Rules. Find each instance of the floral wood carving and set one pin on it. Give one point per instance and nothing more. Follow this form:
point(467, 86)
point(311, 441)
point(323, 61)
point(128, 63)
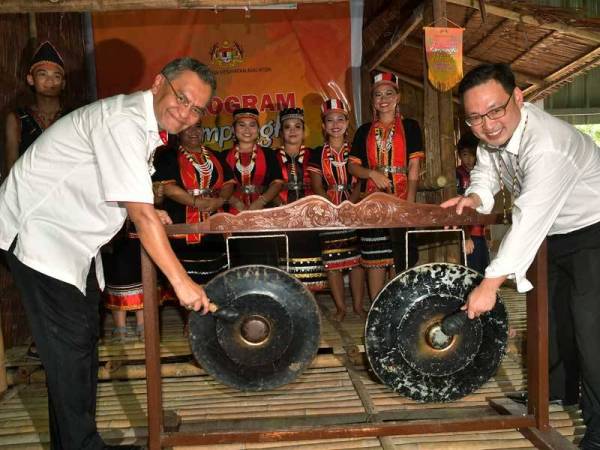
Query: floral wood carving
point(378, 210)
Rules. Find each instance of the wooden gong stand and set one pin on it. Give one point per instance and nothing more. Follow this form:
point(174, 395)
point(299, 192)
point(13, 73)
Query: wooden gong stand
point(377, 211)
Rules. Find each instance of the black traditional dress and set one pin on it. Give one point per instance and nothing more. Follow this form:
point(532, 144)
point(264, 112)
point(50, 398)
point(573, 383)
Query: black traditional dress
point(203, 174)
point(339, 248)
point(254, 172)
point(387, 150)
point(31, 126)
point(305, 261)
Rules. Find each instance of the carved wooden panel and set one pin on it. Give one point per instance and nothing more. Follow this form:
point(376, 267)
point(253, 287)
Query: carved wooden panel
point(378, 210)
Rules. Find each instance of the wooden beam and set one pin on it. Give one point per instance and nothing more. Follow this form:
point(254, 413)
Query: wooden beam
point(471, 16)
point(23, 6)
point(527, 19)
point(566, 73)
point(491, 37)
point(400, 36)
point(382, 26)
point(483, 11)
point(418, 83)
point(522, 78)
point(541, 43)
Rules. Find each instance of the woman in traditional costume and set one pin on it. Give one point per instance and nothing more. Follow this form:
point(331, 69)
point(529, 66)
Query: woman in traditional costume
point(386, 153)
point(258, 182)
point(195, 182)
point(304, 261)
point(330, 179)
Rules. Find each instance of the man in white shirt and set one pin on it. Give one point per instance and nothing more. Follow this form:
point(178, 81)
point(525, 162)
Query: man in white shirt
point(66, 197)
point(553, 173)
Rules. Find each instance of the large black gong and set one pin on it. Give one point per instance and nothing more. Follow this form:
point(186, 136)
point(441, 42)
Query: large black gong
point(274, 337)
point(406, 347)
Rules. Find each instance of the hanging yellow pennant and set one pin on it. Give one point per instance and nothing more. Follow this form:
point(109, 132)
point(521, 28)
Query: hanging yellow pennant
point(444, 47)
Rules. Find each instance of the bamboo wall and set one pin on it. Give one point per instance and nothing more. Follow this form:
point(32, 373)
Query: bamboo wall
point(65, 31)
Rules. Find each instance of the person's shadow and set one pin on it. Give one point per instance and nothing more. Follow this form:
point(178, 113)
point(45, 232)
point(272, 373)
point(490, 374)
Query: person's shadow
point(120, 68)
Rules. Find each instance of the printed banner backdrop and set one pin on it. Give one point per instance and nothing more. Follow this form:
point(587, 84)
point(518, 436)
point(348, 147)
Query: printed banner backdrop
point(270, 60)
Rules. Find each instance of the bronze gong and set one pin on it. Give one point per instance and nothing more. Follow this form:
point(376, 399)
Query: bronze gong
point(273, 336)
point(407, 348)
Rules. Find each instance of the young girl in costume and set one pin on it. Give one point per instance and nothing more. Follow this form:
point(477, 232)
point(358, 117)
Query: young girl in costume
point(386, 153)
point(258, 182)
point(330, 179)
point(305, 261)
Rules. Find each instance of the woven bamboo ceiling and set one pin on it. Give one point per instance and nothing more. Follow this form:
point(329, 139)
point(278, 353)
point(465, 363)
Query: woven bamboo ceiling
point(546, 47)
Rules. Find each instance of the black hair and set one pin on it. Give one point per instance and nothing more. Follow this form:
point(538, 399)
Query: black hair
point(468, 141)
point(486, 72)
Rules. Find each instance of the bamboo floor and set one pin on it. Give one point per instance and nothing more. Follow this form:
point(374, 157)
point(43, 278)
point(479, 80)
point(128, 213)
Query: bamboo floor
point(336, 389)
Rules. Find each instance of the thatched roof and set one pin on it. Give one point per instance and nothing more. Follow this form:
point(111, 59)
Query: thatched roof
point(546, 47)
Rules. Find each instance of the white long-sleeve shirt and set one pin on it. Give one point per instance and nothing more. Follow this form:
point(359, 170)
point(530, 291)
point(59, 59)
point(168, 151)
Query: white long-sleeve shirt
point(63, 197)
point(557, 187)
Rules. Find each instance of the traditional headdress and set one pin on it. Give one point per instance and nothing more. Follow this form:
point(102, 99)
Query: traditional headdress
point(46, 54)
point(291, 113)
point(242, 113)
point(333, 105)
point(385, 78)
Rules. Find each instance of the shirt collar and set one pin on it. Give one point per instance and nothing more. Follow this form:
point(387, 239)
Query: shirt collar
point(515, 141)
point(151, 123)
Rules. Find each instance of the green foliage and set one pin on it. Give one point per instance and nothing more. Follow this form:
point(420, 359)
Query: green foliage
point(592, 130)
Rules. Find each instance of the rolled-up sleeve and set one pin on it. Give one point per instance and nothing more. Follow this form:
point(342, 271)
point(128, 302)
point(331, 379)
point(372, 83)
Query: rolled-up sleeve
point(484, 181)
point(549, 178)
point(121, 149)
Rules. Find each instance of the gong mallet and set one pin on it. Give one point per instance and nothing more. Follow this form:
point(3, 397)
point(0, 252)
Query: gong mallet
point(225, 314)
point(453, 323)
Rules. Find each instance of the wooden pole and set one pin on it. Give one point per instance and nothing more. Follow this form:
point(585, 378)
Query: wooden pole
point(3, 382)
point(152, 340)
point(446, 119)
point(537, 340)
point(33, 34)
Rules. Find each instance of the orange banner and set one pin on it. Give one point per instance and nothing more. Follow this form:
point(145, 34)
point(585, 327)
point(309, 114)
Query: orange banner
point(270, 60)
point(443, 47)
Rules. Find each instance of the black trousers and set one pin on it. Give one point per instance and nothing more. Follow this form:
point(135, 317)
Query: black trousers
point(65, 327)
point(574, 320)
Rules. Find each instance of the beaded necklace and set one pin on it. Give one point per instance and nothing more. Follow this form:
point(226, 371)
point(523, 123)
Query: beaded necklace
point(384, 148)
point(245, 170)
point(337, 158)
point(293, 160)
point(43, 120)
point(204, 167)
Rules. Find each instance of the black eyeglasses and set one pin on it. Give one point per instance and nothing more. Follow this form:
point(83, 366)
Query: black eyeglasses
point(183, 101)
point(492, 114)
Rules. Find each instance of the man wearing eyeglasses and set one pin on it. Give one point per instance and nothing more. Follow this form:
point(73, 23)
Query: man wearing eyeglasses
point(553, 173)
point(66, 197)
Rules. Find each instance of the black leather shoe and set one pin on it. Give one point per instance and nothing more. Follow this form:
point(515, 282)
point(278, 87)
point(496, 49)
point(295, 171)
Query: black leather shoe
point(124, 447)
point(590, 441)
point(521, 397)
